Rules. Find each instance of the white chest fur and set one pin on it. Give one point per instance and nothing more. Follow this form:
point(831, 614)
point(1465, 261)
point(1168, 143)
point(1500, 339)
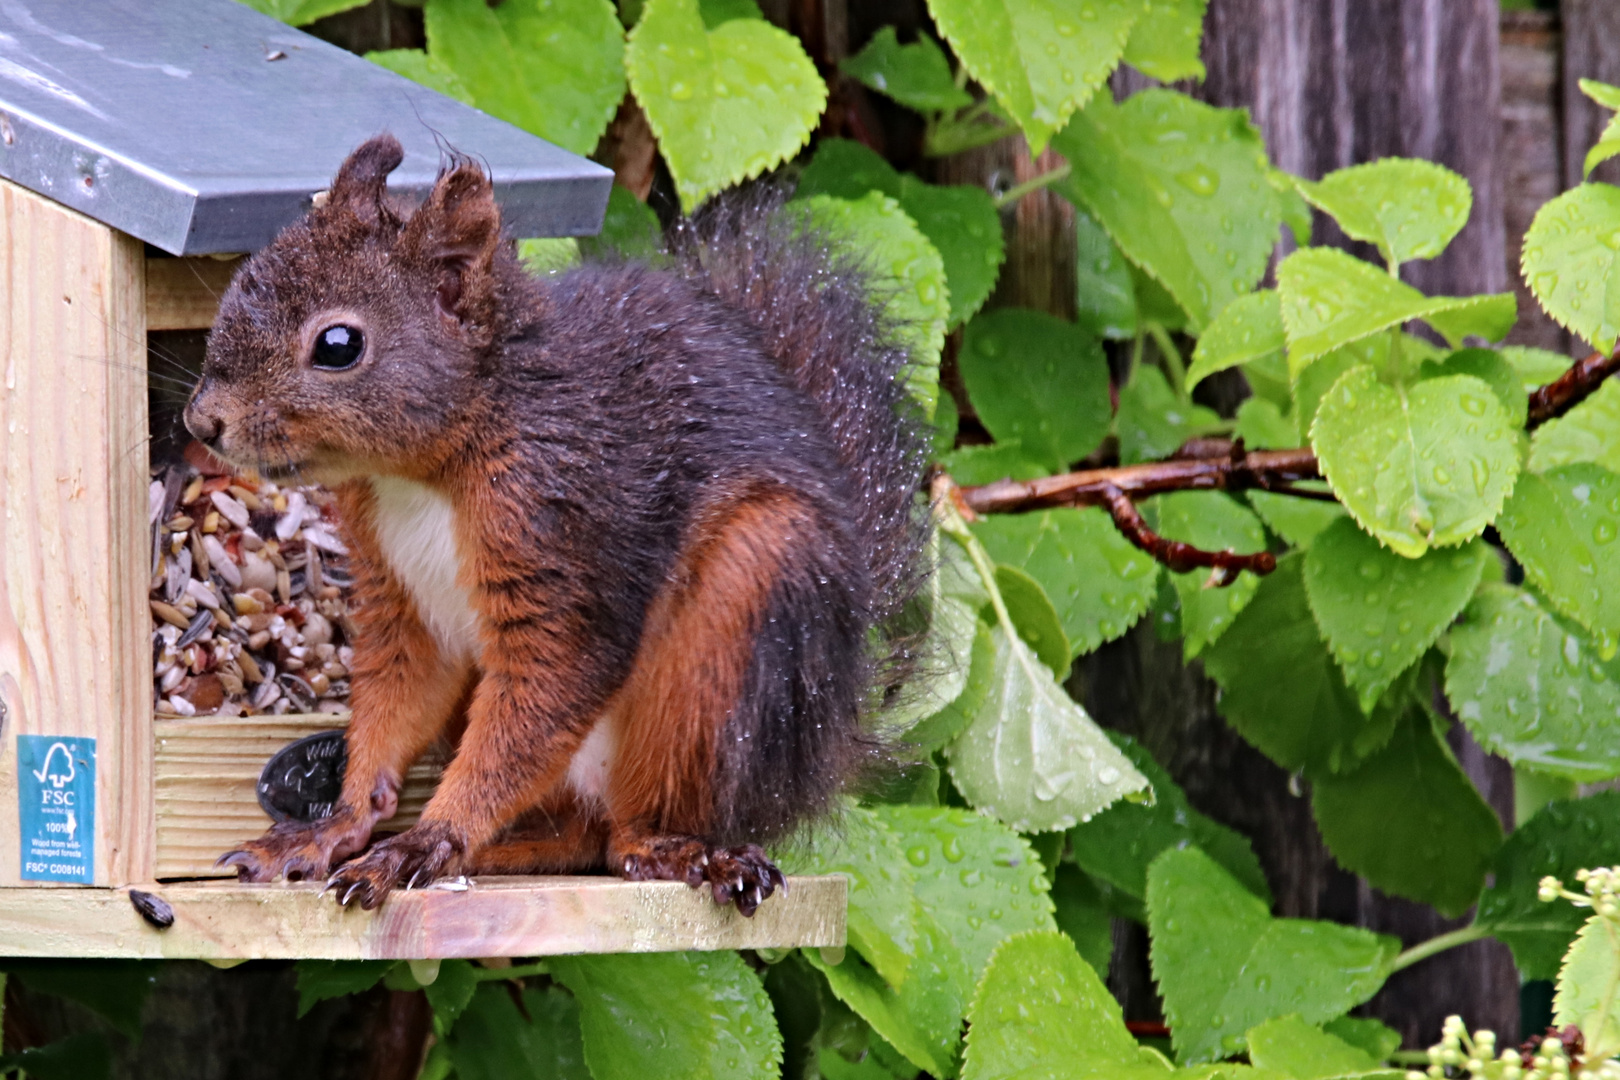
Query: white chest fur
point(415, 528)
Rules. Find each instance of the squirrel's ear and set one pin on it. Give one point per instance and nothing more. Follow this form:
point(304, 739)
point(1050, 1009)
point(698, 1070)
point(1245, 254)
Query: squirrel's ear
point(363, 177)
point(457, 230)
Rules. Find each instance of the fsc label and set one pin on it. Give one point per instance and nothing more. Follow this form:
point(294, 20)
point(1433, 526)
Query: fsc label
point(56, 797)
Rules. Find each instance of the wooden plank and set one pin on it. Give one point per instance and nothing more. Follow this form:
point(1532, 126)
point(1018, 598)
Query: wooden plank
point(205, 773)
point(1591, 50)
point(183, 294)
point(74, 658)
point(538, 916)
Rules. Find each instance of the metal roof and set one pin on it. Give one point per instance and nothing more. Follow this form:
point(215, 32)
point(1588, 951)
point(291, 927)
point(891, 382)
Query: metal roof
point(202, 126)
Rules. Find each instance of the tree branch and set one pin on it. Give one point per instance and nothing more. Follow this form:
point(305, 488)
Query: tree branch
point(1181, 557)
point(1571, 388)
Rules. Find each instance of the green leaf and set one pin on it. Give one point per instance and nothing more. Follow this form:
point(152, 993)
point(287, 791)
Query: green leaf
point(1298, 521)
point(1037, 380)
point(1488, 366)
point(1164, 42)
point(1331, 299)
point(1536, 367)
point(1420, 466)
point(962, 858)
point(905, 270)
point(1280, 687)
point(1380, 612)
point(630, 230)
point(1604, 94)
point(1262, 426)
point(555, 70)
point(972, 465)
point(1409, 209)
point(1589, 988)
point(1212, 521)
point(548, 256)
point(680, 1014)
point(85, 1056)
point(719, 12)
point(1035, 618)
point(845, 169)
point(1041, 59)
point(1105, 288)
point(916, 75)
point(1118, 845)
point(1153, 421)
point(1224, 965)
point(1569, 261)
point(1301, 1051)
point(1038, 985)
point(322, 979)
point(1409, 820)
point(951, 720)
point(301, 12)
point(419, 67)
point(726, 104)
point(923, 1018)
point(1312, 385)
point(1182, 188)
point(1533, 689)
point(1099, 582)
point(493, 1040)
point(1558, 840)
point(1371, 1036)
point(1082, 913)
point(1248, 329)
point(1588, 432)
point(451, 992)
point(1560, 526)
point(953, 596)
point(1032, 757)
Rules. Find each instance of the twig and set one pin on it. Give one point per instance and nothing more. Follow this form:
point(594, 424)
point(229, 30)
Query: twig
point(1178, 556)
point(1571, 388)
point(1034, 183)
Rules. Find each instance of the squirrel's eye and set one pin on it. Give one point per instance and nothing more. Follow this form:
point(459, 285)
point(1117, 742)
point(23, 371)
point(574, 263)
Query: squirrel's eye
point(337, 347)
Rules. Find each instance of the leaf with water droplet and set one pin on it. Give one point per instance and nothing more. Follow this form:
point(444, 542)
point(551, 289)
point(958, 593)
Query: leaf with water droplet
point(1561, 525)
point(1558, 840)
point(1142, 169)
point(1510, 661)
point(1567, 252)
point(1586, 996)
point(1288, 1046)
point(1247, 330)
point(1414, 466)
point(1211, 521)
point(1165, 42)
point(681, 1014)
point(1105, 287)
point(556, 71)
point(711, 140)
point(1152, 421)
point(1016, 50)
point(1224, 965)
point(502, 1034)
point(1281, 688)
point(1298, 521)
point(1588, 432)
point(1037, 380)
point(1490, 367)
point(1035, 618)
point(1410, 209)
point(1409, 820)
point(1368, 599)
point(1091, 573)
point(916, 75)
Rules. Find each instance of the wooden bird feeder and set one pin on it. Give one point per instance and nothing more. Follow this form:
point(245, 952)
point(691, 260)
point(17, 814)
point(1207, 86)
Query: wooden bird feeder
point(143, 148)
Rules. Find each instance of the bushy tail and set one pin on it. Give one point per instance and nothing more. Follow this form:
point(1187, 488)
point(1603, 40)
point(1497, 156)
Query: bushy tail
point(825, 323)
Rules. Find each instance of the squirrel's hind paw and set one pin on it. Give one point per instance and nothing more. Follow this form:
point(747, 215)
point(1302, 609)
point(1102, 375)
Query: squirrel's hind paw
point(294, 850)
point(741, 875)
point(416, 857)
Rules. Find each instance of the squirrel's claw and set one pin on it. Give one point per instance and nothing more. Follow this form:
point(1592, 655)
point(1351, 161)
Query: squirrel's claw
point(418, 856)
point(744, 875)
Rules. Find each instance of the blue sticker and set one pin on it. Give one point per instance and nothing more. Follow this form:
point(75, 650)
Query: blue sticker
point(56, 803)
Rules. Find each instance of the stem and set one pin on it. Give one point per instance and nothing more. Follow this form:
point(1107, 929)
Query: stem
point(521, 971)
point(1034, 183)
point(1425, 949)
point(1172, 360)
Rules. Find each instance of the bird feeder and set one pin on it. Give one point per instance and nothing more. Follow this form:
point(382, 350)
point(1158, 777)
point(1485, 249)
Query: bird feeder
point(143, 149)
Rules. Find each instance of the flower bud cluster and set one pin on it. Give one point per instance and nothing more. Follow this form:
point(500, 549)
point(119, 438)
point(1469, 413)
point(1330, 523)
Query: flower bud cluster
point(1459, 1054)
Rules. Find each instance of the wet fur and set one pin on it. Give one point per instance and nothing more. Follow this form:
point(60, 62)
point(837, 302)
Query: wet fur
point(684, 497)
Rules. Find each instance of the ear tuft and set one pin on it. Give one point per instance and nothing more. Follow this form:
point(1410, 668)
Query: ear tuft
point(363, 178)
point(457, 230)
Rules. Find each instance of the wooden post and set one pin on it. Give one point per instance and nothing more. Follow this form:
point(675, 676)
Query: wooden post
point(74, 625)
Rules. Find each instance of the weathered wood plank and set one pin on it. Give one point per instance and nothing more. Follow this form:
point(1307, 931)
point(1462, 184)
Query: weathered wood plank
point(533, 916)
point(1591, 46)
point(74, 658)
point(183, 294)
point(205, 776)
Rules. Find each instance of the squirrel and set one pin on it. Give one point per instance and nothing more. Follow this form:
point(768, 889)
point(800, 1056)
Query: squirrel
point(636, 539)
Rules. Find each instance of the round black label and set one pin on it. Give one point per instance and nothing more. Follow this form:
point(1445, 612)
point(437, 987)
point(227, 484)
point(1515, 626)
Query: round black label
point(303, 781)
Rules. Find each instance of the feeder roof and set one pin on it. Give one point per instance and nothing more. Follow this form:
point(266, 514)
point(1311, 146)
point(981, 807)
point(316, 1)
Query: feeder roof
point(201, 126)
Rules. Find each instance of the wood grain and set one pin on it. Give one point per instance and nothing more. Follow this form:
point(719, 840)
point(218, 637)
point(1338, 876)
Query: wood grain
point(493, 917)
point(205, 776)
point(183, 294)
point(74, 658)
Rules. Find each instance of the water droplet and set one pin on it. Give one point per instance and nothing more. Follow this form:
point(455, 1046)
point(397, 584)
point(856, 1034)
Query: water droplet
point(917, 856)
point(1108, 775)
point(1603, 532)
point(680, 91)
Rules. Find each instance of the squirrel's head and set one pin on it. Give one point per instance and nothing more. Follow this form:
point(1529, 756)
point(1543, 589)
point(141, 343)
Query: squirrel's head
point(348, 345)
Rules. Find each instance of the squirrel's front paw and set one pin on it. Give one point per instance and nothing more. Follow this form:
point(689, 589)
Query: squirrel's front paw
point(296, 850)
point(417, 856)
point(742, 875)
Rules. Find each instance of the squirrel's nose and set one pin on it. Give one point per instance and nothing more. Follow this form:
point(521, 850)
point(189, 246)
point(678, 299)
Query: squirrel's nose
point(205, 428)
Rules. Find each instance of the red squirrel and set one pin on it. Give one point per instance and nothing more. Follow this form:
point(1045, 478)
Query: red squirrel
point(636, 539)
